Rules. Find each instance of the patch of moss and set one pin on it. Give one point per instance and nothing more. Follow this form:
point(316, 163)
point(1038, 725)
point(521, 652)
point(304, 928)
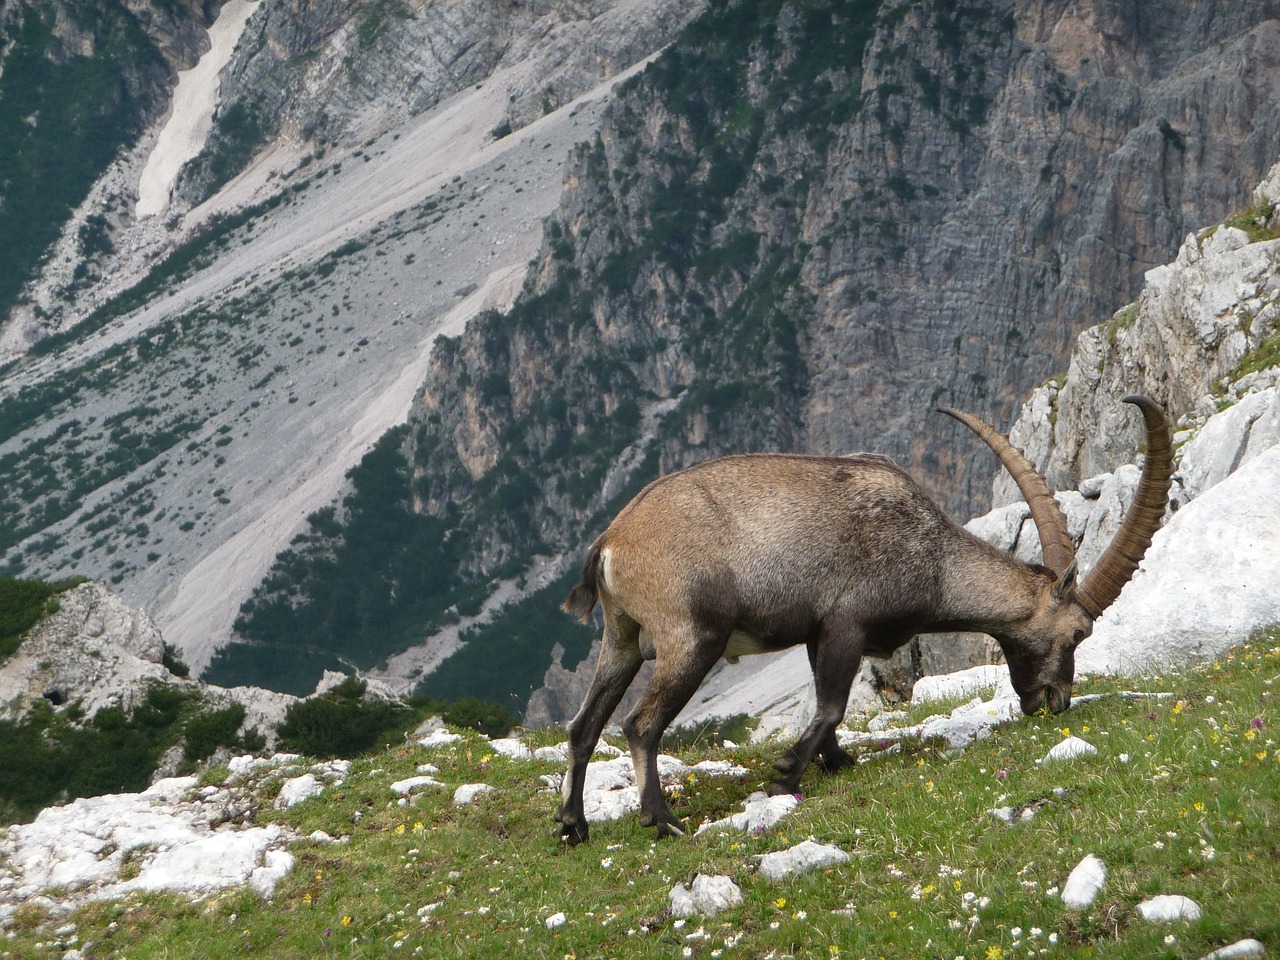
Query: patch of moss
point(1122, 320)
point(1261, 221)
point(1262, 357)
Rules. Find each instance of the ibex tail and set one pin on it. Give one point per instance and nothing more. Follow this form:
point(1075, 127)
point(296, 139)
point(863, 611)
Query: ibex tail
point(582, 599)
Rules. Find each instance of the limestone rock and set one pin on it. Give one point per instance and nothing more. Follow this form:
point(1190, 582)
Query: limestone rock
point(802, 858)
point(1084, 883)
point(95, 650)
point(411, 785)
point(706, 896)
point(1207, 582)
point(1167, 908)
point(1241, 948)
point(511, 748)
point(467, 794)
point(171, 836)
point(1070, 748)
point(297, 789)
point(759, 813)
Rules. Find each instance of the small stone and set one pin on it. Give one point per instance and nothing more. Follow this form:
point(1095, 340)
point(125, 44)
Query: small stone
point(707, 896)
point(412, 785)
point(511, 748)
point(1070, 749)
point(298, 789)
point(439, 738)
point(890, 718)
point(556, 920)
point(468, 792)
point(1241, 948)
point(802, 858)
point(1084, 883)
point(1167, 908)
point(759, 813)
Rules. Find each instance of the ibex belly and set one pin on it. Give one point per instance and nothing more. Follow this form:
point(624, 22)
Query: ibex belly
point(743, 644)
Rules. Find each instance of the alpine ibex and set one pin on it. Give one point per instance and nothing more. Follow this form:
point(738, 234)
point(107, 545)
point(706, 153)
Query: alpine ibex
point(846, 555)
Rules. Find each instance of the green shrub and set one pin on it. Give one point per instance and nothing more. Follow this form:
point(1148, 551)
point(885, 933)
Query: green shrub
point(47, 757)
point(491, 719)
point(173, 662)
point(338, 723)
point(205, 732)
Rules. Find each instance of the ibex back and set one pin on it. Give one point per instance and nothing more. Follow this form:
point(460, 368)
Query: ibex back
point(846, 555)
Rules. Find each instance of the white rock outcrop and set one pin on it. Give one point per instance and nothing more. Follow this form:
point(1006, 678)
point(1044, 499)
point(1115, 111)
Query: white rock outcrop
point(1071, 748)
point(1208, 582)
point(94, 649)
point(468, 793)
point(759, 813)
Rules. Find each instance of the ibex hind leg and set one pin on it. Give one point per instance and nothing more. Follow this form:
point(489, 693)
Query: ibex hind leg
point(618, 664)
point(834, 658)
point(682, 663)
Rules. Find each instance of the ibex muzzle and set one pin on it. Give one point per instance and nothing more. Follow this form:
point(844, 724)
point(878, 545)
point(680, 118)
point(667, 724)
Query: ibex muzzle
point(846, 555)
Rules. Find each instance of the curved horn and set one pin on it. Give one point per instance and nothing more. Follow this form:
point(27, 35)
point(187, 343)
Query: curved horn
point(1055, 541)
point(1121, 558)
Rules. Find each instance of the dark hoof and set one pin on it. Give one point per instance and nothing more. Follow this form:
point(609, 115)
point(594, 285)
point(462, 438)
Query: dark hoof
point(835, 761)
point(782, 788)
point(573, 833)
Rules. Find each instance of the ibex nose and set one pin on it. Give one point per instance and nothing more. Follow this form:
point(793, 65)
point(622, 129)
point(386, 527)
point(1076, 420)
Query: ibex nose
point(1057, 700)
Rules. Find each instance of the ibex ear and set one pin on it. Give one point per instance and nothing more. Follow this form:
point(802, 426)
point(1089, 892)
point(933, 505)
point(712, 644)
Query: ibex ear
point(1065, 584)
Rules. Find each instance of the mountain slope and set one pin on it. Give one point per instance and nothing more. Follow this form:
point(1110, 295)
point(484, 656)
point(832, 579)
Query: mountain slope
point(176, 438)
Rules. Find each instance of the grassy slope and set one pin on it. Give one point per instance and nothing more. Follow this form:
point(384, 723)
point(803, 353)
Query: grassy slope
point(1193, 809)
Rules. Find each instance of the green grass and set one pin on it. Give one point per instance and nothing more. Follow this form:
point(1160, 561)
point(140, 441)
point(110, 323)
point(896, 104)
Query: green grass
point(1181, 798)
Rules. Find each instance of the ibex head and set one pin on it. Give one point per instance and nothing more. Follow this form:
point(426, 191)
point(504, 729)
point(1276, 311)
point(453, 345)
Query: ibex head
point(1040, 649)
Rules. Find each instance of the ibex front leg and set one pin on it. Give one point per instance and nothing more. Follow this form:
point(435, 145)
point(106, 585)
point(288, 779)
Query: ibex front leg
point(682, 663)
point(834, 657)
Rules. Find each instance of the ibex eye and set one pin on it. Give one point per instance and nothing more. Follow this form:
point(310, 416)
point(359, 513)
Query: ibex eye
point(1079, 636)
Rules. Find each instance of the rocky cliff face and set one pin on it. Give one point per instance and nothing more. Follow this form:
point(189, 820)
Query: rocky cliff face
point(337, 261)
point(1201, 338)
point(806, 225)
point(800, 228)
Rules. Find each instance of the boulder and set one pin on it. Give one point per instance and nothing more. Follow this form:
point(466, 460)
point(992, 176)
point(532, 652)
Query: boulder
point(1206, 584)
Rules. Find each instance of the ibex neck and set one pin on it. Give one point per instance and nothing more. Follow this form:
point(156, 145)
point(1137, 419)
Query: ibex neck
point(984, 589)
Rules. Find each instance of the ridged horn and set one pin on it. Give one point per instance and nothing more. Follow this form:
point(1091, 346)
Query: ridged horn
point(1118, 562)
point(1055, 541)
